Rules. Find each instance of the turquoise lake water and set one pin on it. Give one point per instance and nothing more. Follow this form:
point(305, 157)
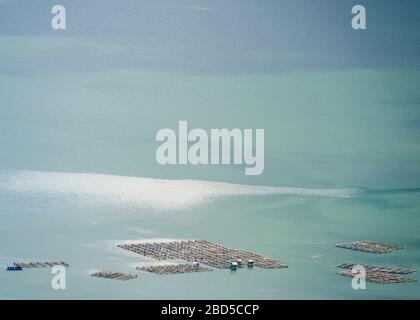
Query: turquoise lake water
point(80, 109)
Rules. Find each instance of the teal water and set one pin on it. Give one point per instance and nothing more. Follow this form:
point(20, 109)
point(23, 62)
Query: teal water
point(299, 230)
point(341, 116)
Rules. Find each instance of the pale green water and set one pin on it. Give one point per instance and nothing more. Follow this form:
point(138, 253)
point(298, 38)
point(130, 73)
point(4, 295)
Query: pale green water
point(290, 228)
point(91, 102)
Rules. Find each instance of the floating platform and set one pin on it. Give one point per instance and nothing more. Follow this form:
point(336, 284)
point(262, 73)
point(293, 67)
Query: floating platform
point(370, 246)
point(374, 268)
point(379, 277)
point(174, 268)
point(13, 268)
point(202, 251)
point(45, 264)
point(114, 275)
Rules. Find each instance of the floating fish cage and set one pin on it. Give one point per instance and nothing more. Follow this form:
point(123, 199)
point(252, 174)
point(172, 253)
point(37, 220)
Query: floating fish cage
point(370, 246)
point(114, 275)
point(202, 251)
point(380, 277)
point(375, 268)
point(174, 268)
point(379, 274)
point(45, 264)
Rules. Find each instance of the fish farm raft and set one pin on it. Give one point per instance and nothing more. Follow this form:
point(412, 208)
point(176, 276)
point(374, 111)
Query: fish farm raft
point(380, 277)
point(370, 246)
point(202, 251)
point(174, 268)
point(379, 274)
point(45, 264)
point(374, 268)
point(114, 275)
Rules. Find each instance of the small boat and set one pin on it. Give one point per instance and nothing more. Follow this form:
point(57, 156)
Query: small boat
point(14, 268)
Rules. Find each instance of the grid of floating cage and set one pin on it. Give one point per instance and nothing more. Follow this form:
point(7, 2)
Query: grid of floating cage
point(114, 275)
point(379, 274)
point(174, 268)
point(202, 251)
point(370, 246)
point(375, 268)
point(380, 277)
point(44, 264)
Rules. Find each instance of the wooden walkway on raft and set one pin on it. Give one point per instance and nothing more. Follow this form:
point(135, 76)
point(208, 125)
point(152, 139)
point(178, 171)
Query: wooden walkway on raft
point(114, 275)
point(202, 251)
point(44, 264)
point(174, 268)
point(370, 246)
